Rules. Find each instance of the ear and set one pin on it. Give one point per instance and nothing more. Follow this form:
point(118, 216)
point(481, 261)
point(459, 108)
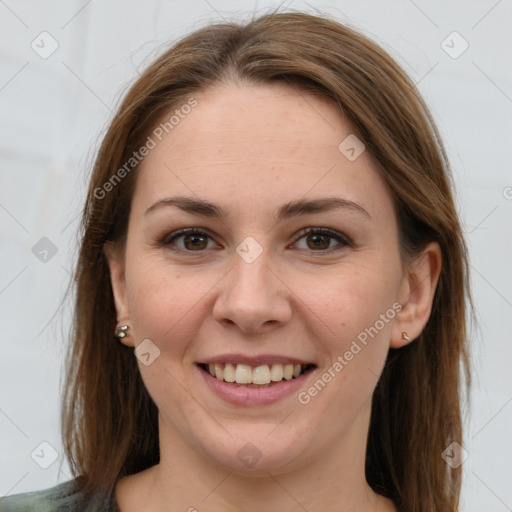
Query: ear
point(416, 295)
point(115, 258)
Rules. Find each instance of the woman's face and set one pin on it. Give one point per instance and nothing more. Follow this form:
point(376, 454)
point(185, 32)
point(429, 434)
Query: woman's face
point(293, 259)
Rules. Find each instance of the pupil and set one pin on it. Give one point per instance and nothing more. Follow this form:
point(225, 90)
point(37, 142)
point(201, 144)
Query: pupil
point(317, 241)
point(196, 240)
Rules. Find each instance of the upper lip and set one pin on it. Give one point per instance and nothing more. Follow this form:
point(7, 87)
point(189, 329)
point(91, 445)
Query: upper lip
point(258, 360)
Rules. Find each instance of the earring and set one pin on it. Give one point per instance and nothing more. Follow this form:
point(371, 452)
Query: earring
point(405, 337)
point(122, 331)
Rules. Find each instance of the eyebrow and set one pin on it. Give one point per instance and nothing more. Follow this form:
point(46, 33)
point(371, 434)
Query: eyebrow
point(286, 211)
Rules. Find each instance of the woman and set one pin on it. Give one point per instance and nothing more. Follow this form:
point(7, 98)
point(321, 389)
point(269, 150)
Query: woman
point(270, 302)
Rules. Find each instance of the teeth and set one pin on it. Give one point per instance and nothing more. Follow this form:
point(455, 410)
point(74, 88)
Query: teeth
point(243, 374)
point(288, 371)
point(219, 372)
point(260, 375)
point(229, 372)
point(276, 374)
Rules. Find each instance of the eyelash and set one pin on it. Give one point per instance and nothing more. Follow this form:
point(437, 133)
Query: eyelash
point(167, 240)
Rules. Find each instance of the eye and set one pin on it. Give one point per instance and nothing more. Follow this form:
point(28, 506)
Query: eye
point(320, 240)
point(315, 239)
point(188, 239)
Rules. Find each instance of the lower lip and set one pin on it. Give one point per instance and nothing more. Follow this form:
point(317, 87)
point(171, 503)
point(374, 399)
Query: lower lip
point(239, 395)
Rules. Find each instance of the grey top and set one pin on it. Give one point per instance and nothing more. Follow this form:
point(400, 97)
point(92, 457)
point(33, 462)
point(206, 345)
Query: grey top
point(64, 497)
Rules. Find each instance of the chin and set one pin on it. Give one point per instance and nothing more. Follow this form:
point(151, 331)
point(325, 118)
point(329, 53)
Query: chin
point(257, 449)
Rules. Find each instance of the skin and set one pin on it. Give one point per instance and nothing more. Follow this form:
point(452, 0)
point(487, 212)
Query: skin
point(250, 149)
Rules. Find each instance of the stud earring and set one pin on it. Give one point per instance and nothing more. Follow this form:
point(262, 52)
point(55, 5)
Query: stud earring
point(122, 331)
point(405, 337)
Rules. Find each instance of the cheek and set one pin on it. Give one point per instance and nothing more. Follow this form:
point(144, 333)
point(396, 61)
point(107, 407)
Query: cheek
point(352, 300)
point(356, 309)
point(359, 313)
point(164, 304)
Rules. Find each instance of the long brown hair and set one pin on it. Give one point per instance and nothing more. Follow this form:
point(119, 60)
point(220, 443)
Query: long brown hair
point(110, 422)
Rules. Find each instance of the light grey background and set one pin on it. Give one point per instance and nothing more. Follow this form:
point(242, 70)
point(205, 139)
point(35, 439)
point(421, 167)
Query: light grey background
point(53, 110)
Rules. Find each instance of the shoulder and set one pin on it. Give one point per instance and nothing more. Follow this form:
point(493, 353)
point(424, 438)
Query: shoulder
point(64, 497)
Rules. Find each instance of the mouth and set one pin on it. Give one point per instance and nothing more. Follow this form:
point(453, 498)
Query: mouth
point(261, 376)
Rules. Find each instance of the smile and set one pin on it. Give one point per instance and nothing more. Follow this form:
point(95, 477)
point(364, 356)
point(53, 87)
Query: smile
point(255, 376)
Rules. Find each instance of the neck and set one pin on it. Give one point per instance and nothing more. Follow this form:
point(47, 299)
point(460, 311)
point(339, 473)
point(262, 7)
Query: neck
point(186, 480)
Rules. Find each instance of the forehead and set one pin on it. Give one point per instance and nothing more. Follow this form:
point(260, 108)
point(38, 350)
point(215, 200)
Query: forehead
point(258, 145)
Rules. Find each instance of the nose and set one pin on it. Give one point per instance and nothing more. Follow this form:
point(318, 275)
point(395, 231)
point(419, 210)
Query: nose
point(252, 297)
